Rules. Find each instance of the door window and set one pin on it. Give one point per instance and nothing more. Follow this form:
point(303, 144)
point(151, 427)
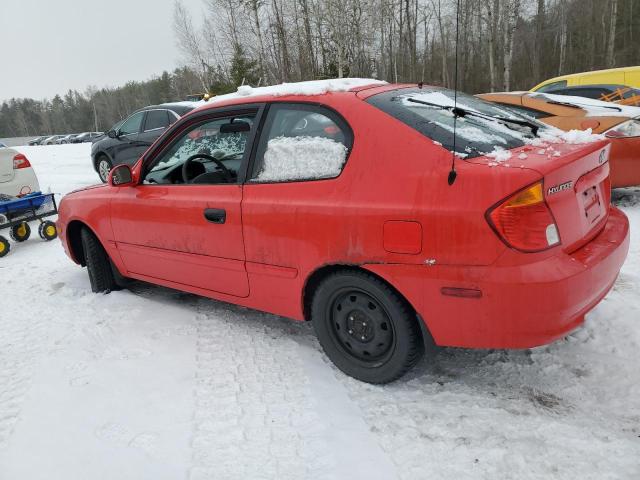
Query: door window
point(132, 124)
point(156, 119)
point(301, 142)
point(206, 153)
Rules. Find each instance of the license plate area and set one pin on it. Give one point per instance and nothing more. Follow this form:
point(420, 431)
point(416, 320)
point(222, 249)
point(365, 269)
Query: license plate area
point(593, 207)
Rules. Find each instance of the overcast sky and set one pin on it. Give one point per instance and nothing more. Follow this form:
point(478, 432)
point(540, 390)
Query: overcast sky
point(51, 46)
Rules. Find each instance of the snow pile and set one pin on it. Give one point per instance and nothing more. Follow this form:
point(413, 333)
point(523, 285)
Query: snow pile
point(594, 108)
point(573, 137)
point(297, 158)
point(499, 156)
point(312, 87)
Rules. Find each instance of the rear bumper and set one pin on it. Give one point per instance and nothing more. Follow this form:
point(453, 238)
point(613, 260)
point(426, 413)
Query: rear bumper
point(521, 306)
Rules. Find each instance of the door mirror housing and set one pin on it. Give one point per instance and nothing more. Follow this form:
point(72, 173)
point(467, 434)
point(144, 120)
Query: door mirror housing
point(112, 134)
point(121, 176)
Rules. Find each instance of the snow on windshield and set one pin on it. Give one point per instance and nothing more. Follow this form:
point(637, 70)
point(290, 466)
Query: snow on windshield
point(297, 158)
point(594, 108)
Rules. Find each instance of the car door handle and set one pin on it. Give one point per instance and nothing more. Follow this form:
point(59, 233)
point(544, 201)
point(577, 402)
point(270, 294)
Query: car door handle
point(215, 215)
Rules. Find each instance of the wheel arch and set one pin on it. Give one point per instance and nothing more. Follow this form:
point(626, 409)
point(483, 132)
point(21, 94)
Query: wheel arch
point(74, 239)
point(318, 275)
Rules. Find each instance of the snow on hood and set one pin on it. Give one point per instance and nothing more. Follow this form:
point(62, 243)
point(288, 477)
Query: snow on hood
point(594, 108)
point(312, 87)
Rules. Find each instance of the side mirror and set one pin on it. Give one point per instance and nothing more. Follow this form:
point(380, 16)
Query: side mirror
point(235, 127)
point(112, 134)
point(121, 175)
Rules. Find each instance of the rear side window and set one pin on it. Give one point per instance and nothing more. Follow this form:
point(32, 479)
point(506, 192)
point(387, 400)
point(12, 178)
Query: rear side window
point(301, 142)
point(156, 119)
point(475, 136)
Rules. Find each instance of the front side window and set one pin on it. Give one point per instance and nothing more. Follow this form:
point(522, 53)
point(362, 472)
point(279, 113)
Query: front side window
point(156, 119)
point(301, 142)
point(206, 153)
point(132, 124)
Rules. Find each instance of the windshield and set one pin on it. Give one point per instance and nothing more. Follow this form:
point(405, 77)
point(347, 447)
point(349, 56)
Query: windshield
point(475, 136)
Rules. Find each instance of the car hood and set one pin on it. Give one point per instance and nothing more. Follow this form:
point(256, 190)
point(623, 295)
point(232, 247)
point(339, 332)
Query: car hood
point(90, 187)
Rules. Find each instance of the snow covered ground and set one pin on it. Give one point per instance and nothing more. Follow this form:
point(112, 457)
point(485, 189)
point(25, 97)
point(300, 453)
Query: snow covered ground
point(156, 384)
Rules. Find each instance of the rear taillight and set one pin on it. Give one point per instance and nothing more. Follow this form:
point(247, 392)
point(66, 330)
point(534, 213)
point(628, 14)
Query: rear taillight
point(524, 221)
point(20, 161)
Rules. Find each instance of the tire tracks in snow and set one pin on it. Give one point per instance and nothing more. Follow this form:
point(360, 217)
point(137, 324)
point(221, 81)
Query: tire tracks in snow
point(267, 404)
point(255, 415)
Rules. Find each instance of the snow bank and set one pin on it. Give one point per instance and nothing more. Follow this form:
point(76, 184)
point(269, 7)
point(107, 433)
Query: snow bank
point(594, 108)
point(313, 87)
point(296, 158)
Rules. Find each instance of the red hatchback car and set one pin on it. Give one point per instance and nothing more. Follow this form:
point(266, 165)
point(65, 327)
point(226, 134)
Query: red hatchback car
point(329, 202)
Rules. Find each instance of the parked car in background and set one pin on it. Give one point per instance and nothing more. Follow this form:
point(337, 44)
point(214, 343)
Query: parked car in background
point(2, 145)
point(37, 140)
point(598, 92)
point(51, 140)
point(16, 174)
point(86, 137)
point(620, 76)
point(279, 199)
point(66, 139)
point(619, 123)
point(127, 140)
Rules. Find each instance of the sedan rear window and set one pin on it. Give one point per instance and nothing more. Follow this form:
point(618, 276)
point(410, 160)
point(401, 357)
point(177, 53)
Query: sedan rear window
point(475, 136)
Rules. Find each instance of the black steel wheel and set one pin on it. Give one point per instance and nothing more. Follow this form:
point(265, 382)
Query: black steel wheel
point(21, 232)
point(365, 328)
point(361, 326)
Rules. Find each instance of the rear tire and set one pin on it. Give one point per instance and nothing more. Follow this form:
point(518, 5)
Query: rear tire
point(365, 328)
point(103, 166)
point(98, 264)
point(20, 233)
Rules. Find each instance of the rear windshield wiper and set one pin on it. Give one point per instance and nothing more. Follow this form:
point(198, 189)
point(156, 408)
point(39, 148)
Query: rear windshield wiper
point(583, 106)
point(463, 112)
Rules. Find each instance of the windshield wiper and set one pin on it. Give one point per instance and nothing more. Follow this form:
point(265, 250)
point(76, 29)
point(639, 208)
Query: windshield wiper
point(463, 112)
point(583, 106)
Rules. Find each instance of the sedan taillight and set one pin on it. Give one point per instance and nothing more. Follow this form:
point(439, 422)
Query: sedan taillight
point(20, 161)
point(524, 221)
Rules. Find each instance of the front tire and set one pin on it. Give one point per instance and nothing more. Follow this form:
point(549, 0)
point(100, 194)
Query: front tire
point(365, 328)
point(98, 264)
point(103, 166)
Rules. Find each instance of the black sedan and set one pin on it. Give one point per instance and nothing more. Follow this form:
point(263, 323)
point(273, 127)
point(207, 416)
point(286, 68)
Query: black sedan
point(128, 139)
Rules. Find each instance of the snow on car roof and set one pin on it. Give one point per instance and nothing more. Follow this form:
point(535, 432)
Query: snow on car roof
point(312, 87)
point(594, 108)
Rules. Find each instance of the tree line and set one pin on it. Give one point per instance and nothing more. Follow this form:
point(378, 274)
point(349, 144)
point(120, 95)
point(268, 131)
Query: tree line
point(501, 45)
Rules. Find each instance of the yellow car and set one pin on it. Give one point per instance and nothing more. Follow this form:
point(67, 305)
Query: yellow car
point(629, 76)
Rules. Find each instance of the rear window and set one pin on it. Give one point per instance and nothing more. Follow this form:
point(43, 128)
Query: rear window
point(475, 136)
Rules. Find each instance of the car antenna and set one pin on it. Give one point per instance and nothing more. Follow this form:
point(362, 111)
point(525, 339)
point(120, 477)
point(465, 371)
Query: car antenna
point(453, 174)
